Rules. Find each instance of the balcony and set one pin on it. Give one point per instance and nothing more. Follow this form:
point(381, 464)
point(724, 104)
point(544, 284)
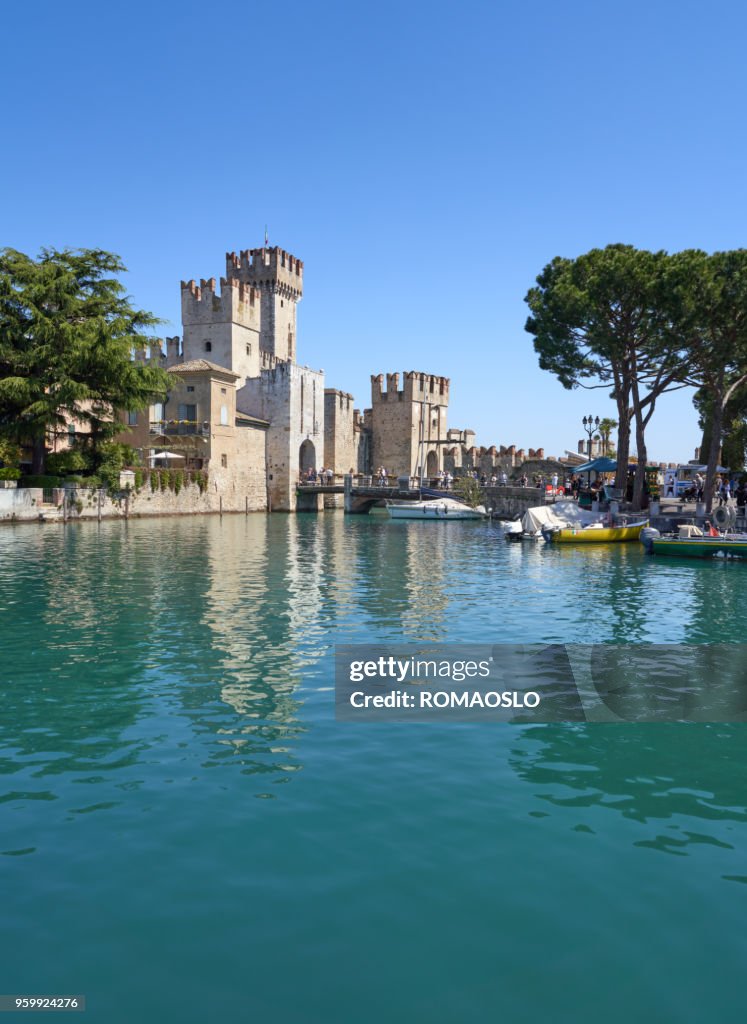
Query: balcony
point(180, 428)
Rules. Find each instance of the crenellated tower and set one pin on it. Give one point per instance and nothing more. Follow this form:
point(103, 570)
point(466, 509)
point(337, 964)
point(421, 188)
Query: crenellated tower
point(222, 327)
point(278, 278)
point(408, 425)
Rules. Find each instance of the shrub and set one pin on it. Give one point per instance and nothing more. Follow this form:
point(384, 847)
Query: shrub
point(10, 453)
point(139, 479)
point(164, 479)
point(155, 481)
point(113, 458)
point(9, 473)
point(39, 481)
point(200, 478)
point(71, 461)
point(84, 481)
point(178, 481)
point(469, 490)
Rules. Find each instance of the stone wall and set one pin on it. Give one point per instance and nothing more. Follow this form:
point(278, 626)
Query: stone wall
point(340, 449)
point(507, 502)
point(291, 398)
point(27, 504)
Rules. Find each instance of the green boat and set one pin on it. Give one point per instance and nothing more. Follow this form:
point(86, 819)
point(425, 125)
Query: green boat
point(693, 543)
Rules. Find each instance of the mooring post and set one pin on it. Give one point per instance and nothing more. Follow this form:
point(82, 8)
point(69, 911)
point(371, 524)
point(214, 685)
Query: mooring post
point(348, 483)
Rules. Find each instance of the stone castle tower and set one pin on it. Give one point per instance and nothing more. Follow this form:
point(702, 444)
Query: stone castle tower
point(251, 324)
point(408, 426)
point(278, 278)
point(249, 327)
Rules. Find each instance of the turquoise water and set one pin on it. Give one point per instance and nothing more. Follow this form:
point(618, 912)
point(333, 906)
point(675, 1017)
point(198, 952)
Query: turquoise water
point(186, 834)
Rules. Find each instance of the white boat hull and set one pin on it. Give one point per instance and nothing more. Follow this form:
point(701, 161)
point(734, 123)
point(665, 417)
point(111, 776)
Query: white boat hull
point(441, 511)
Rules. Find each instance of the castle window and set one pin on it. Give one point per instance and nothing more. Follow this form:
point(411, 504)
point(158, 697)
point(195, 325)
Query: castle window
point(282, 303)
point(208, 346)
point(131, 419)
point(190, 387)
point(248, 350)
point(224, 415)
point(224, 461)
point(223, 391)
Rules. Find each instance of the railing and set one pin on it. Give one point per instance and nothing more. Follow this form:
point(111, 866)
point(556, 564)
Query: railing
point(180, 427)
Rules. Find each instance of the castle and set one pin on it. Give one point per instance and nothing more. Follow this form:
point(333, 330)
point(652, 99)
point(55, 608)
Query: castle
point(243, 408)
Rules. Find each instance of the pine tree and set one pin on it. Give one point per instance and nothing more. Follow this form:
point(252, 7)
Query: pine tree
point(67, 335)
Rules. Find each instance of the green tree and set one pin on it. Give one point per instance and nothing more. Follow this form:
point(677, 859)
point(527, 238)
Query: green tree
point(469, 490)
point(604, 320)
point(67, 335)
point(734, 432)
point(606, 426)
point(712, 319)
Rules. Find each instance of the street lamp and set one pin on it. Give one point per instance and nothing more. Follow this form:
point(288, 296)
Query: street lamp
point(591, 425)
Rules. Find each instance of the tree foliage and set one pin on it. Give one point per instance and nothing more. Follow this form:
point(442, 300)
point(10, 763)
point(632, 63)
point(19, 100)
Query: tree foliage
point(468, 490)
point(713, 321)
point(640, 324)
point(67, 336)
point(601, 321)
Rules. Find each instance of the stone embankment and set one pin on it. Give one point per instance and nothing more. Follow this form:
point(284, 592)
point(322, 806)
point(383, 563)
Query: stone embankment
point(34, 504)
point(507, 502)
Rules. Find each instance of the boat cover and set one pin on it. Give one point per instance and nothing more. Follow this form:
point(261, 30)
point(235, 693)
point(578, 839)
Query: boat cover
point(562, 513)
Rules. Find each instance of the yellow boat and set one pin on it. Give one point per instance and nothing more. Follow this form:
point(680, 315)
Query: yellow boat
point(594, 534)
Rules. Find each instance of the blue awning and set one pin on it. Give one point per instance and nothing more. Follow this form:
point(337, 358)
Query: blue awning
point(601, 465)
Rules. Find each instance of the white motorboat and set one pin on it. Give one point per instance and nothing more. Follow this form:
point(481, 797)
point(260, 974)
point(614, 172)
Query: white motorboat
point(443, 510)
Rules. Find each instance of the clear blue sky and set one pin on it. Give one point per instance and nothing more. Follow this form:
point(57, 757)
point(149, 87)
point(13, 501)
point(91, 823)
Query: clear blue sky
point(424, 159)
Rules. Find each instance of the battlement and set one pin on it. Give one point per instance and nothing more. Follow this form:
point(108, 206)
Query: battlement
point(426, 387)
point(274, 268)
point(267, 361)
point(152, 356)
point(237, 301)
point(418, 387)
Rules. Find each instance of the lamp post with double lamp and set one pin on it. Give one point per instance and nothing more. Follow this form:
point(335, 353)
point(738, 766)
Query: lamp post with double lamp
point(591, 425)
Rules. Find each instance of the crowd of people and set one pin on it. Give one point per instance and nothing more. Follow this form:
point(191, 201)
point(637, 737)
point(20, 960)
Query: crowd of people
point(726, 491)
point(320, 476)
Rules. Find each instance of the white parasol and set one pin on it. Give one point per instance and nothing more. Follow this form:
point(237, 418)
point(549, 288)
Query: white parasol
point(165, 455)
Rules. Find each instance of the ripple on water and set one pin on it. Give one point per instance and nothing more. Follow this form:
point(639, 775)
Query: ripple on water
point(181, 672)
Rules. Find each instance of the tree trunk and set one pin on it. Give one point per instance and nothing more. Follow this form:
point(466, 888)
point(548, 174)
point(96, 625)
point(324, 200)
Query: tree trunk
point(714, 450)
point(640, 469)
point(623, 446)
point(39, 456)
point(705, 441)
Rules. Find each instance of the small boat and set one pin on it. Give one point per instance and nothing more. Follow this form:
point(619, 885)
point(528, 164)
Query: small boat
point(594, 533)
point(444, 510)
point(692, 542)
point(510, 528)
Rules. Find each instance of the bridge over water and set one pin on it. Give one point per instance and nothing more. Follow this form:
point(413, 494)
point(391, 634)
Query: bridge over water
point(361, 493)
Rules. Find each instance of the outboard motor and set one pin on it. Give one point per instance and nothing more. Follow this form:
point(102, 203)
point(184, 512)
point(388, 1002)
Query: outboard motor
point(648, 535)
